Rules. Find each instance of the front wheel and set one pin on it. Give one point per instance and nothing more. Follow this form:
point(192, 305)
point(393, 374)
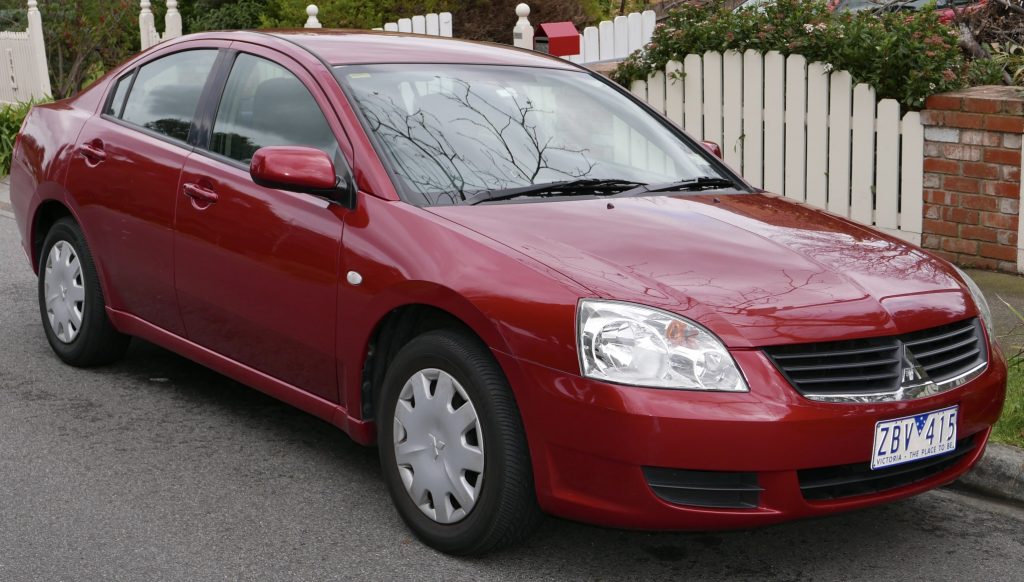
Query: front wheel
point(452, 446)
point(71, 302)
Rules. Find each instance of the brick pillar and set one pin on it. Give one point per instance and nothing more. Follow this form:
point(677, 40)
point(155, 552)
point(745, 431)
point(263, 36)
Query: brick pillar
point(972, 191)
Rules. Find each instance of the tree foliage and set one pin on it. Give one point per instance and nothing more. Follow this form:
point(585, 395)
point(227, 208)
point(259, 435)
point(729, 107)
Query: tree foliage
point(84, 38)
point(203, 15)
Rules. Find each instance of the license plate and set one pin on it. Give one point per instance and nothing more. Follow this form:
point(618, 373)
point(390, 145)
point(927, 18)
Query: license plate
point(912, 438)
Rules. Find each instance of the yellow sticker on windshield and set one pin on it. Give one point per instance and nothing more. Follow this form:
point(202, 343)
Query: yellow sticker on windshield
point(358, 75)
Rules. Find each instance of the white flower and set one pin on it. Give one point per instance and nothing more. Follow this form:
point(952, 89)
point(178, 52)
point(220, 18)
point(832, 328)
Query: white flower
point(809, 28)
point(828, 67)
point(822, 26)
point(931, 86)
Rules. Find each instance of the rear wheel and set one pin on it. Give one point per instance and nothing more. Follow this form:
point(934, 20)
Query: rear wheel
point(452, 446)
point(71, 302)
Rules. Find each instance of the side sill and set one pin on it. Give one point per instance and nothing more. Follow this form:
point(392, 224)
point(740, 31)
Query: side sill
point(361, 431)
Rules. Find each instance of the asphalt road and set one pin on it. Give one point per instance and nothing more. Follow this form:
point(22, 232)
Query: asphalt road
point(158, 469)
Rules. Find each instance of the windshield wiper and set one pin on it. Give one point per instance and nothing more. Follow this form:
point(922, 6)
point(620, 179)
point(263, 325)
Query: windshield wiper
point(691, 185)
point(582, 186)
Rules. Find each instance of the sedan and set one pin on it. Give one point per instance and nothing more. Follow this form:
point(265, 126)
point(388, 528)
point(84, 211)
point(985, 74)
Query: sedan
point(533, 293)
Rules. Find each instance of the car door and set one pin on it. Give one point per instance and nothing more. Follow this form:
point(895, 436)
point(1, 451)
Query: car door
point(256, 268)
point(124, 177)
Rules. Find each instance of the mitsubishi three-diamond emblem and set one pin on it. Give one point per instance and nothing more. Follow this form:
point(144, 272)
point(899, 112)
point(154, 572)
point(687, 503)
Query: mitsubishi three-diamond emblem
point(913, 373)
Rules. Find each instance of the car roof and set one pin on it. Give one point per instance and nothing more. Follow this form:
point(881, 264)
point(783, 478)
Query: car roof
point(351, 47)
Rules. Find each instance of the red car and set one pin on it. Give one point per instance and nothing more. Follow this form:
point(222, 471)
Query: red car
point(534, 293)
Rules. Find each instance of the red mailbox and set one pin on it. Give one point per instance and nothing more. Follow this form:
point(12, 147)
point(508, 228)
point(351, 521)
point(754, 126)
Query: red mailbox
point(560, 39)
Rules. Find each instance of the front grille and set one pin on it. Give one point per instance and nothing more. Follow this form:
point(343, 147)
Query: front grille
point(705, 488)
point(948, 351)
point(875, 365)
point(858, 479)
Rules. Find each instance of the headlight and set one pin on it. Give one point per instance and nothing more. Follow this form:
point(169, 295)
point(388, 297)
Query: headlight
point(980, 301)
point(631, 344)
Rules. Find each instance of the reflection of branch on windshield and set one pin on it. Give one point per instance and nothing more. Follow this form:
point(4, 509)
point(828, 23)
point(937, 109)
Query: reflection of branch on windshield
point(496, 144)
point(539, 152)
point(387, 116)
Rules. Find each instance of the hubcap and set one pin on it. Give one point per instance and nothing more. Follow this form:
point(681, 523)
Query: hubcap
point(64, 291)
point(439, 446)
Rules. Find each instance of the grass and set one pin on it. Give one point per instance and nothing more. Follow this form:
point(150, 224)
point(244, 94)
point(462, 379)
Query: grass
point(1010, 428)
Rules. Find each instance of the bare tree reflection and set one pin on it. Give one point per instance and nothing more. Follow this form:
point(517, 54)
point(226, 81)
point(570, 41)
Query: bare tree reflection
point(462, 140)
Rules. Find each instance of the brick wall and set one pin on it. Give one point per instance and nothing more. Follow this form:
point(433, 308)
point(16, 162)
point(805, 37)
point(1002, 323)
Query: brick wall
point(972, 162)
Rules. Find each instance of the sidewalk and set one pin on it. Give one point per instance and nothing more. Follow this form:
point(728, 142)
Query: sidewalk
point(1009, 329)
point(5, 197)
point(1000, 473)
point(5, 193)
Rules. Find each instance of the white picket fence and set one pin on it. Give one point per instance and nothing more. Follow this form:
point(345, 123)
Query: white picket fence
point(616, 39)
point(23, 72)
point(801, 130)
point(429, 24)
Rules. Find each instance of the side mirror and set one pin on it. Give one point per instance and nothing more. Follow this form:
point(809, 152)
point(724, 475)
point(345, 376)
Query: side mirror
point(296, 169)
point(713, 148)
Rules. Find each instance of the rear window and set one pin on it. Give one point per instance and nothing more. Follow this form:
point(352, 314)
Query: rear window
point(166, 92)
point(116, 105)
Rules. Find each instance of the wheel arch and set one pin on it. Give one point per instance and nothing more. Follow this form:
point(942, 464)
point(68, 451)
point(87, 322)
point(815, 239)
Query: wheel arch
point(400, 322)
point(46, 215)
point(50, 209)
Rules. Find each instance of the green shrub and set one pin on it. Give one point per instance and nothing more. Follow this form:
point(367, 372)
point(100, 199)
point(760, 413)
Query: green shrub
point(240, 15)
point(1010, 428)
point(905, 56)
point(13, 18)
point(11, 117)
point(1008, 57)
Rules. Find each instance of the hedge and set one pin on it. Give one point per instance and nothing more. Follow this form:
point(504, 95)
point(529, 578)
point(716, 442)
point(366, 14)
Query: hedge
point(905, 56)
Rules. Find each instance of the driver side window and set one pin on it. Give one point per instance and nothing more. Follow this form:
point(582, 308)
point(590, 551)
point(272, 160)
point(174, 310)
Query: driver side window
point(266, 105)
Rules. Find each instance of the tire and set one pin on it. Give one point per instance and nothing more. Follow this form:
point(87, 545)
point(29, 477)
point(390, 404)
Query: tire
point(505, 509)
point(86, 337)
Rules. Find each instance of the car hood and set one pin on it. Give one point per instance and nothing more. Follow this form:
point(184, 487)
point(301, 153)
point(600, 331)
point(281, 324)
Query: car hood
point(756, 269)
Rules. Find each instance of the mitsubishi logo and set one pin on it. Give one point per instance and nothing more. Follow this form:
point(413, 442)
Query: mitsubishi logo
point(438, 446)
point(913, 373)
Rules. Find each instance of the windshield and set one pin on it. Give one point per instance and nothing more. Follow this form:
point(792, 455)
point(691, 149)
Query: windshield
point(447, 132)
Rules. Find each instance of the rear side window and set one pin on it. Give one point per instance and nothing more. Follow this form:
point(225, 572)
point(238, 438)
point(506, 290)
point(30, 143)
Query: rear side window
point(266, 105)
point(117, 102)
point(166, 92)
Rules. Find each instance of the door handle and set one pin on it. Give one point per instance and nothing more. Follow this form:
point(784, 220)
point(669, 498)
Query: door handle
point(93, 152)
point(200, 193)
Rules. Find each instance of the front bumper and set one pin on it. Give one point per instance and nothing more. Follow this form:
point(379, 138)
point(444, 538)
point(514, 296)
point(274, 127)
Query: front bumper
point(590, 442)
